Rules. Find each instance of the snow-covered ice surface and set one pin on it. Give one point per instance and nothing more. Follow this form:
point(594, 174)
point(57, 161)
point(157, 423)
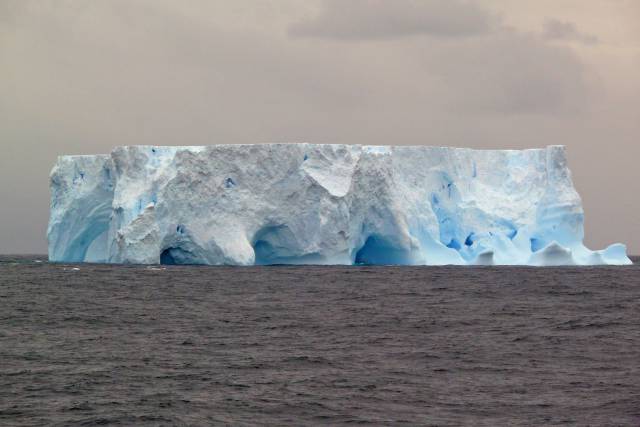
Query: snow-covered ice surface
point(319, 204)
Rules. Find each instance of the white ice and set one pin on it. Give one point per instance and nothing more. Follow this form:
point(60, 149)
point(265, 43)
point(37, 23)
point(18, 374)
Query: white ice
point(319, 204)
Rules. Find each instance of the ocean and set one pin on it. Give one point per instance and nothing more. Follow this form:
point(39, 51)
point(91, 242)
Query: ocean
point(86, 344)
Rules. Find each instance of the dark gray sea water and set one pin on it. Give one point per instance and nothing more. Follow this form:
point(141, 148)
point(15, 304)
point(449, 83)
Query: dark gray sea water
point(136, 345)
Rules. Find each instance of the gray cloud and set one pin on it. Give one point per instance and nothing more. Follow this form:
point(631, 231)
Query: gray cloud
point(381, 19)
point(554, 29)
point(505, 71)
point(515, 73)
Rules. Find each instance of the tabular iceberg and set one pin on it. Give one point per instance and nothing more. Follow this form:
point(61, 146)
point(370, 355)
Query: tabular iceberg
point(319, 204)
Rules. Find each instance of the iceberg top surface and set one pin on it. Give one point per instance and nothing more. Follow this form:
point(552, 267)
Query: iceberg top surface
point(357, 146)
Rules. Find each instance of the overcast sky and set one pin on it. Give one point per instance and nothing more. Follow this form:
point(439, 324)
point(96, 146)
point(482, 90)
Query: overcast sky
point(80, 77)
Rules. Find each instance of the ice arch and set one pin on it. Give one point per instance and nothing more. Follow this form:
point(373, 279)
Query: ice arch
point(176, 255)
point(277, 244)
point(377, 250)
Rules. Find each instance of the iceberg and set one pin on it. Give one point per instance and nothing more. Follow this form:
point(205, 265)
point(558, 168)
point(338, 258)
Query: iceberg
point(319, 204)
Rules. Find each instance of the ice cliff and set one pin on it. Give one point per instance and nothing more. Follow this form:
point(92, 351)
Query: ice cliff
point(319, 204)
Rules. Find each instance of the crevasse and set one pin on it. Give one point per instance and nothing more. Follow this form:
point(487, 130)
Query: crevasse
point(319, 204)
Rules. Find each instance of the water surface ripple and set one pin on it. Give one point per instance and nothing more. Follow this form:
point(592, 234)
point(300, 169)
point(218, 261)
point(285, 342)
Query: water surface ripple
point(136, 345)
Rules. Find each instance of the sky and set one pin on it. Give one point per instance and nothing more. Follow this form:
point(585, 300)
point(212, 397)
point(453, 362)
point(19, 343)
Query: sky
point(81, 77)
